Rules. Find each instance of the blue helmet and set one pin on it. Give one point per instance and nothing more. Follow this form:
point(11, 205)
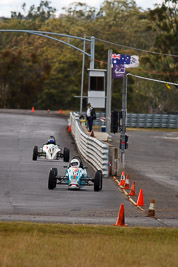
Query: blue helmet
point(52, 140)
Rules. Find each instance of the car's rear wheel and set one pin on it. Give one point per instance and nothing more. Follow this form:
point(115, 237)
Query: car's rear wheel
point(58, 155)
point(66, 154)
point(101, 182)
point(98, 181)
point(51, 180)
point(35, 153)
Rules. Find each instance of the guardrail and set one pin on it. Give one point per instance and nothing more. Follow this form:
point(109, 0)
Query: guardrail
point(152, 120)
point(140, 120)
point(94, 151)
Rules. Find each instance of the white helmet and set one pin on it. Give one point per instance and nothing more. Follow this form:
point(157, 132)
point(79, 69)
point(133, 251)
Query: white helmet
point(75, 163)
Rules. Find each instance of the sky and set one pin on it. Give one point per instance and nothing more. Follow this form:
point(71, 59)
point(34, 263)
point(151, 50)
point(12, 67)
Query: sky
point(6, 6)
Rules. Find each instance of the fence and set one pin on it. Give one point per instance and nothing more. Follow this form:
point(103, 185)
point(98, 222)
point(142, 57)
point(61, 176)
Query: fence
point(93, 150)
point(152, 120)
point(138, 120)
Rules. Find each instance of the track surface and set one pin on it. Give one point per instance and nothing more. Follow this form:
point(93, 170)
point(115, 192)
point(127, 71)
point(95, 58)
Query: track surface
point(152, 161)
point(23, 183)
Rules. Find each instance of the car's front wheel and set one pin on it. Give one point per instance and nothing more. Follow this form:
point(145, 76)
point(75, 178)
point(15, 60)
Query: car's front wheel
point(51, 180)
point(55, 171)
point(35, 153)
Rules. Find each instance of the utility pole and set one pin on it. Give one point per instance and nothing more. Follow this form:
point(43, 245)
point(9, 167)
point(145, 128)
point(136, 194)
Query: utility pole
point(124, 116)
point(92, 62)
point(108, 99)
point(82, 79)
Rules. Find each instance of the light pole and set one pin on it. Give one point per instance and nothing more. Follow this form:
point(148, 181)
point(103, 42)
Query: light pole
point(92, 62)
point(108, 99)
point(82, 79)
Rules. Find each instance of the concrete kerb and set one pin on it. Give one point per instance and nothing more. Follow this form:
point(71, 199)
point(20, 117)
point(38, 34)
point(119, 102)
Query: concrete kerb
point(133, 202)
point(127, 195)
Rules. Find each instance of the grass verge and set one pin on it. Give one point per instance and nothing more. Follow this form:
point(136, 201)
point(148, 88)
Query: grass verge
point(32, 244)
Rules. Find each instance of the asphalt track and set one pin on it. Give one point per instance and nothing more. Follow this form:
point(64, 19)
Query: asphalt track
point(24, 195)
point(152, 162)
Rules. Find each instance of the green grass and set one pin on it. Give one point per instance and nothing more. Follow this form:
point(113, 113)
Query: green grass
point(32, 244)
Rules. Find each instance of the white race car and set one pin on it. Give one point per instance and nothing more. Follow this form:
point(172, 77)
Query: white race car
point(51, 151)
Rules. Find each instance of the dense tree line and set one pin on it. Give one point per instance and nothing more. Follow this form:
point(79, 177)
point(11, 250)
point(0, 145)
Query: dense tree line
point(36, 71)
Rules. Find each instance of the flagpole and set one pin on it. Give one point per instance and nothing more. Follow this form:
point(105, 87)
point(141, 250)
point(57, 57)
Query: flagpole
point(123, 61)
point(124, 117)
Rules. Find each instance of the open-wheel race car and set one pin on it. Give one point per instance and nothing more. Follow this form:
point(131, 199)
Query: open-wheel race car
point(51, 151)
point(75, 176)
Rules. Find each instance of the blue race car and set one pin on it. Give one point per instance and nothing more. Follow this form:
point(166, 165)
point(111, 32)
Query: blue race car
point(75, 177)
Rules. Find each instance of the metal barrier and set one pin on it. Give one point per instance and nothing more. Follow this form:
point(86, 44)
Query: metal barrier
point(140, 120)
point(152, 120)
point(94, 151)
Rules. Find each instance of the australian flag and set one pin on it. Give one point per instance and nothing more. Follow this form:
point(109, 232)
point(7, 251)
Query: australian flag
point(120, 59)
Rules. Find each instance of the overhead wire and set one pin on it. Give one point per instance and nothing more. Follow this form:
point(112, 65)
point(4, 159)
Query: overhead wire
point(137, 49)
point(154, 80)
point(145, 78)
point(151, 72)
point(146, 71)
point(163, 72)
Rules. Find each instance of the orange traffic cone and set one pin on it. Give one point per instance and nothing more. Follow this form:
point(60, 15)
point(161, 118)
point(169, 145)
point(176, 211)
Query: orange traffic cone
point(60, 111)
point(69, 129)
point(33, 109)
point(120, 219)
point(151, 210)
point(122, 180)
point(92, 134)
point(127, 182)
point(140, 201)
point(132, 191)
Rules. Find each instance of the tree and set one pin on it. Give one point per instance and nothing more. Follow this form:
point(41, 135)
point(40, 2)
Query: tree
point(43, 12)
point(165, 23)
point(47, 74)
